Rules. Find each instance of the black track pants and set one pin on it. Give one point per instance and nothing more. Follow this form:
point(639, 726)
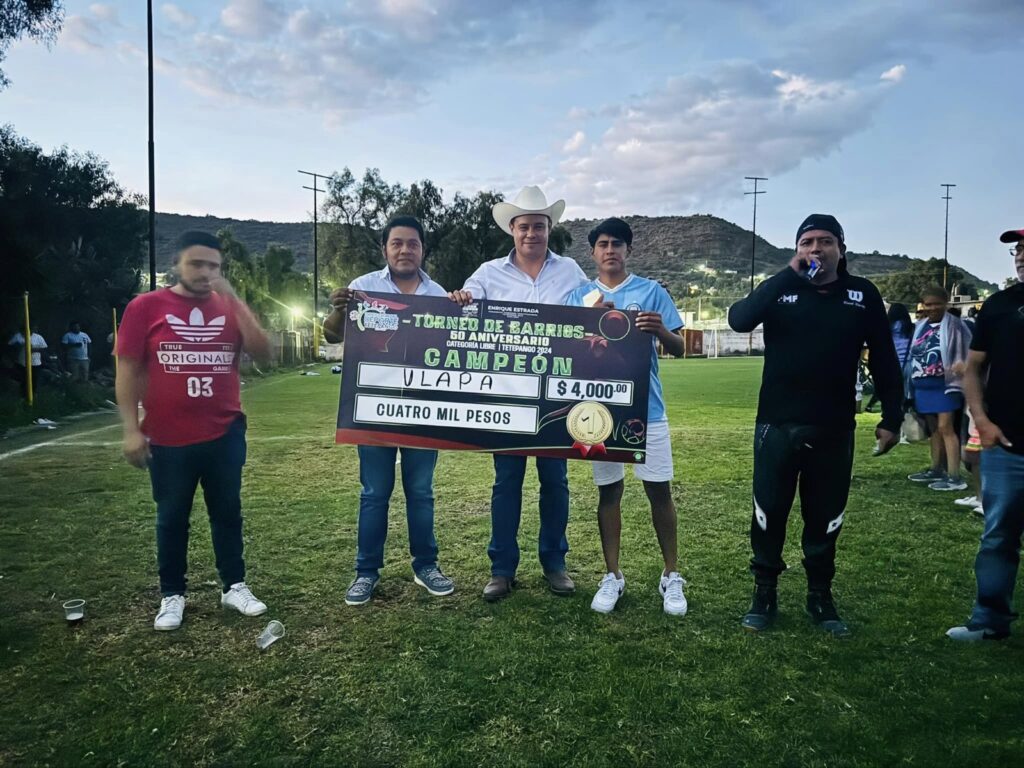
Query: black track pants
point(820, 462)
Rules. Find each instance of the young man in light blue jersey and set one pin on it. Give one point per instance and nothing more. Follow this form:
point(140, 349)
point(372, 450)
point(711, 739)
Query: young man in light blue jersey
point(402, 247)
point(611, 242)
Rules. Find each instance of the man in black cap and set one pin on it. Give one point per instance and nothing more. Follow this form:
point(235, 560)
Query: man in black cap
point(817, 318)
point(997, 359)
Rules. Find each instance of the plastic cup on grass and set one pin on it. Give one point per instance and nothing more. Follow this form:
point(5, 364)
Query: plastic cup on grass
point(74, 612)
point(273, 632)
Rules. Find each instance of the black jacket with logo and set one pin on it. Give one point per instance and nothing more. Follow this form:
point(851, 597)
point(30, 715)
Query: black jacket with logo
point(813, 338)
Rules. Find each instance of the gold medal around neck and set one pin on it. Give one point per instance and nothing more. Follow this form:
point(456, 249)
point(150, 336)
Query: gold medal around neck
point(589, 423)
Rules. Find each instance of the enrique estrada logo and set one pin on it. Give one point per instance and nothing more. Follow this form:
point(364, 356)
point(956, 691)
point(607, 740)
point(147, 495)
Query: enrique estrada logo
point(196, 329)
point(370, 315)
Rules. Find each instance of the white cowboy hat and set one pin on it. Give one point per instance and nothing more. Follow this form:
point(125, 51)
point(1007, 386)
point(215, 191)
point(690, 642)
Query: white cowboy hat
point(529, 200)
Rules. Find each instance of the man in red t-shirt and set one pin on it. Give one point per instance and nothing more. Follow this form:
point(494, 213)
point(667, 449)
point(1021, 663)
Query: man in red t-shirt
point(178, 353)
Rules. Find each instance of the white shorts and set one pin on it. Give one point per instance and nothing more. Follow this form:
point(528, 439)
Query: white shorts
point(658, 467)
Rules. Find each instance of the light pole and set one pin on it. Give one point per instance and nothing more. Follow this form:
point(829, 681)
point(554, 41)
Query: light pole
point(753, 236)
point(316, 264)
point(945, 248)
point(152, 154)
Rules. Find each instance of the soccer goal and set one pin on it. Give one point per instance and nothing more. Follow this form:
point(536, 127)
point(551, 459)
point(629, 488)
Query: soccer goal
point(712, 348)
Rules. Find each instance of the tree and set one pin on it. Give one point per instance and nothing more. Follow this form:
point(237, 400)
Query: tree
point(458, 236)
point(905, 287)
point(355, 212)
point(38, 19)
point(472, 239)
point(72, 238)
point(266, 282)
point(243, 272)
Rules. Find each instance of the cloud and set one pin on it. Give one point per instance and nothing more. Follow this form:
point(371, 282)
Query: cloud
point(252, 18)
point(178, 16)
point(81, 34)
point(575, 142)
point(688, 144)
point(345, 59)
point(847, 42)
point(106, 13)
point(894, 74)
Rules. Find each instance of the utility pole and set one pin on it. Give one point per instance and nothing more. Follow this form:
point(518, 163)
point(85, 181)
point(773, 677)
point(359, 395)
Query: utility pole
point(753, 237)
point(152, 154)
point(316, 264)
point(945, 248)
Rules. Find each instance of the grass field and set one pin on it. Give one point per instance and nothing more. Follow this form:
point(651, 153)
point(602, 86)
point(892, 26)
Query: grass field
point(534, 680)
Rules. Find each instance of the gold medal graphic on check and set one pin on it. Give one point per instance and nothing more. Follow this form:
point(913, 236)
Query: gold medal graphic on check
point(589, 423)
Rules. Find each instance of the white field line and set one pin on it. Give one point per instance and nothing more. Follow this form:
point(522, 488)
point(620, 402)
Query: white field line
point(56, 441)
point(111, 443)
point(71, 442)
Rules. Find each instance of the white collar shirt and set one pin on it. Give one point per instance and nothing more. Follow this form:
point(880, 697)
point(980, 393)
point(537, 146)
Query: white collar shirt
point(382, 282)
point(501, 279)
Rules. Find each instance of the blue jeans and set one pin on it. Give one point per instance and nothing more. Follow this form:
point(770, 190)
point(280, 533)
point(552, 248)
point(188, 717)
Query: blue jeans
point(377, 474)
point(995, 567)
point(175, 473)
point(507, 508)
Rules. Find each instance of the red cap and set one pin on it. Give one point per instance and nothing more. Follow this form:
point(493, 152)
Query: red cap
point(1012, 236)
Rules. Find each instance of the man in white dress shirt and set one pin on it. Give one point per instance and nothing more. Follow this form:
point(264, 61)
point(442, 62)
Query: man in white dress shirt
point(530, 273)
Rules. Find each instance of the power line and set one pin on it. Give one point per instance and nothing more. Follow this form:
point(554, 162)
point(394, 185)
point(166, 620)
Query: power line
point(316, 267)
point(945, 249)
point(753, 233)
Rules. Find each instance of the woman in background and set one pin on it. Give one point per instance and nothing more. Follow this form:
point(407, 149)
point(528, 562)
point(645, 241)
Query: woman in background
point(934, 375)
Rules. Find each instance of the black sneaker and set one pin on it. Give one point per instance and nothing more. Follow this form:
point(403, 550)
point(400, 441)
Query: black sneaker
point(822, 610)
point(763, 607)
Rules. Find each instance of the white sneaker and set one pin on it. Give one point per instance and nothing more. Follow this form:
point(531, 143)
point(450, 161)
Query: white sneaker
point(608, 593)
point(967, 501)
point(241, 598)
point(671, 588)
point(171, 610)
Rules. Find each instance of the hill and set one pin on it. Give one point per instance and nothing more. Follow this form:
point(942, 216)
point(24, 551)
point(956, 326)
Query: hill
point(701, 250)
point(256, 235)
point(707, 251)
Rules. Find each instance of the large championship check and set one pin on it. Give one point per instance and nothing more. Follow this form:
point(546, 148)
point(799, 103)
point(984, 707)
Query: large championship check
point(498, 376)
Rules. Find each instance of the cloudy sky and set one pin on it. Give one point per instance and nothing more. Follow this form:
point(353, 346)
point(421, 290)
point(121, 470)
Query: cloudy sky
point(861, 109)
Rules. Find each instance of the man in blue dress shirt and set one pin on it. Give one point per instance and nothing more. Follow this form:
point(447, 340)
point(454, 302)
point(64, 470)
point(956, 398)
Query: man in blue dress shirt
point(530, 273)
point(402, 246)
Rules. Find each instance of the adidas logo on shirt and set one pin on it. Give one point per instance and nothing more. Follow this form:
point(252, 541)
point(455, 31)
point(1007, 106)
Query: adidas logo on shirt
point(196, 329)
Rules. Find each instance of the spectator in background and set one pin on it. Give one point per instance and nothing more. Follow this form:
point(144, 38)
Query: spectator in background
point(972, 313)
point(902, 329)
point(934, 374)
point(17, 345)
point(75, 345)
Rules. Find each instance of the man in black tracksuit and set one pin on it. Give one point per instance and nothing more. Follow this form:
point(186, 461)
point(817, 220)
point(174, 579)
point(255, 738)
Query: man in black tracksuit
point(814, 331)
